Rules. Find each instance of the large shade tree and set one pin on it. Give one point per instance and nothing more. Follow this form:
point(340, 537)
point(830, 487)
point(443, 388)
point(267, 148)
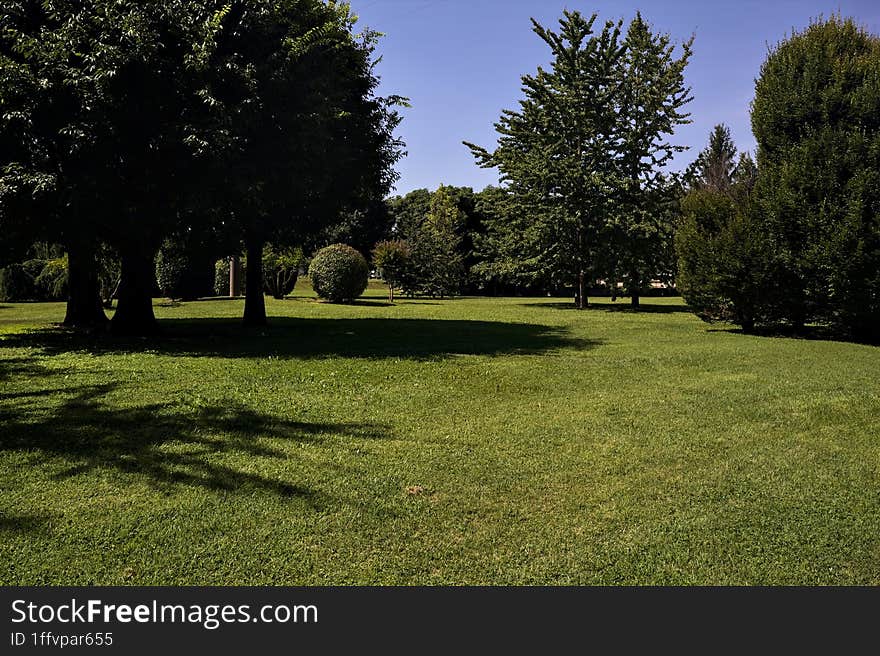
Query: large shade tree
point(294, 87)
point(650, 100)
point(111, 110)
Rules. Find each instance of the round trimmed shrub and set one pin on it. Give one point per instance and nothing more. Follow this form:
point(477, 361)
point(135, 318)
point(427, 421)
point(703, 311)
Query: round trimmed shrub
point(339, 273)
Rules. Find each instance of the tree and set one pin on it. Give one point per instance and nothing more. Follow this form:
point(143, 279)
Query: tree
point(650, 100)
point(280, 270)
point(113, 110)
point(715, 165)
point(582, 155)
point(391, 258)
point(361, 228)
point(295, 89)
point(45, 132)
point(439, 229)
point(125, 122)
point(553, 153)
point(723, 259)
point(439, 244)
point(816, 119)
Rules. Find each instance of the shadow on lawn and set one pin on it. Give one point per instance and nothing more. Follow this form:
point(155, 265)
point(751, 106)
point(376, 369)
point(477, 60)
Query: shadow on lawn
point(162, 445)
point(21, 523)
point(809, 333)
point(621, 306)
point(287, 337)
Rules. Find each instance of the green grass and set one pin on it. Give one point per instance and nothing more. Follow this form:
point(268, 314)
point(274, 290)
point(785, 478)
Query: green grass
point(479, 441)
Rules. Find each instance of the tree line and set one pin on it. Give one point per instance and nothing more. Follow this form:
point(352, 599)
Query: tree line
point(126, 124)
point(192, 130)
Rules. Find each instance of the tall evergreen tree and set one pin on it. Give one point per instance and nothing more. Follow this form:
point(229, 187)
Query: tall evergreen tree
point(816, 118)
point(716, 164)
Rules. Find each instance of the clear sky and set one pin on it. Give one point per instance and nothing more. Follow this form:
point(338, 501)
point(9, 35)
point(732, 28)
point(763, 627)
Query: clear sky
point(460, 62)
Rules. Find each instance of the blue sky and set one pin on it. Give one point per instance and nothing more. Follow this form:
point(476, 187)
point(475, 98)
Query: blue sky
point(460, 62)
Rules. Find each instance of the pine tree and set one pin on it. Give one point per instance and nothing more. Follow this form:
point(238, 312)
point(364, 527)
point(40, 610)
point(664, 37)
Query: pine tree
point(716, 164)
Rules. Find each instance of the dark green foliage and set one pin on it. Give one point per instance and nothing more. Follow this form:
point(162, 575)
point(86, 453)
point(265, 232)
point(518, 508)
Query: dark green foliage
point(183, 271)
point(509, 254)
point(437, 246)
point(339, 273)
point(311, 144)
point(439, 228)
point(171, 267)
point(125, 122)
point(816, 118)
point(361, 228)
point(51, 283)
point(392, 258)
point(280, 270)
point(34, 280)
point(722, 260)
point(15, 283)
point(725, 269)
point(109, 273)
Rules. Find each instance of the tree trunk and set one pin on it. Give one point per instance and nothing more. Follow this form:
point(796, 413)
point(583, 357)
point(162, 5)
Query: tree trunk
point(582, 299)
point(634, 292)
point(83, 291)
point(254, 301)
point(234, 268)
point(134, 308)
point(391, 292)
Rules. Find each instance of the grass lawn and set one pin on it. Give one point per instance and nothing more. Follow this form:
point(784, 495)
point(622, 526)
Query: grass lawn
point(479, 441)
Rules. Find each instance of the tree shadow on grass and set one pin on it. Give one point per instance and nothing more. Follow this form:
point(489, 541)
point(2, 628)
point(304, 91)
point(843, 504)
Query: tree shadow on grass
point(21, 523)
point(12, 367)
point(165, 446)
point(810, 333)
point(622, 306)
point(287, 337)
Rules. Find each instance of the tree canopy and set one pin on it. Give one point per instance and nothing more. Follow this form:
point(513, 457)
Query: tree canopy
point(584, 154)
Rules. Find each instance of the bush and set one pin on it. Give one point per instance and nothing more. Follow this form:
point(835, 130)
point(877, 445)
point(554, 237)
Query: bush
point(339, 273)
point(280, 270)
point(815, 120)
point(51, 283)
point(183, 271)
point(15, 283)
point(170, 271)
point(723, 261)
